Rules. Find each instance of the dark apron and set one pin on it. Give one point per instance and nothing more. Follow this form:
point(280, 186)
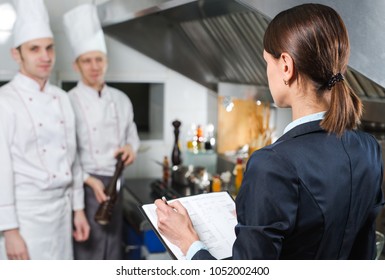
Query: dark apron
point(105, 242)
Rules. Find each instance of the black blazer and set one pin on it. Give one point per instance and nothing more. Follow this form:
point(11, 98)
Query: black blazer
point(310, 195)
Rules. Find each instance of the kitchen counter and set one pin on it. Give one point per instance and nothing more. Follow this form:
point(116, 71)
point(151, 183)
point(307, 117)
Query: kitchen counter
point(135, 193)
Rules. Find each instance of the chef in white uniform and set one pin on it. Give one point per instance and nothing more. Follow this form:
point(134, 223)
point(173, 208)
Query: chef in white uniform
point(105, 128)
point(41, 181)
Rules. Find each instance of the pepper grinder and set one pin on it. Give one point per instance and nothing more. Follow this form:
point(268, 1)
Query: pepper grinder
point(176, 155)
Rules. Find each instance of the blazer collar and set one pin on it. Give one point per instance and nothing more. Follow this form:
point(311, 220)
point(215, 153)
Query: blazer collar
point(302, 129)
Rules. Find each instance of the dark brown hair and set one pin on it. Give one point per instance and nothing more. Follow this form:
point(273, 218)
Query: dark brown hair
point(315, 36)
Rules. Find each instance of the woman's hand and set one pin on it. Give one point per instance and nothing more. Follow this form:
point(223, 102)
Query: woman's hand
point(175, 224)
point(15, 246)
point(98, 187)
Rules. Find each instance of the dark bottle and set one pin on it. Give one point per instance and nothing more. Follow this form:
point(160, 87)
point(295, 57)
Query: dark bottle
point(103, 215)
point(176, 155)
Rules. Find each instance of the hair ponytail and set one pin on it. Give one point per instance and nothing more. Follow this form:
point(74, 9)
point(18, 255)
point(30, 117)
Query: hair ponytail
point(298, 32)
point(345, 110)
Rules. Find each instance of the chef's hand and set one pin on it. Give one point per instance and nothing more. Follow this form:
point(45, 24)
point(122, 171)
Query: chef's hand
point(98, 187)
point(175, 224)
point(128, 154)
point(82, 228)
point(15, 246)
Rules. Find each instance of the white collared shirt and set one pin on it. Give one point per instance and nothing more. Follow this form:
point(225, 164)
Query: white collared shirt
point(305, 119)
point(104, 123)
point(37, 147)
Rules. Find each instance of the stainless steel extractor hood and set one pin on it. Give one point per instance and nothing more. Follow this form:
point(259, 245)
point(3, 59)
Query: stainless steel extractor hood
point(213, 41)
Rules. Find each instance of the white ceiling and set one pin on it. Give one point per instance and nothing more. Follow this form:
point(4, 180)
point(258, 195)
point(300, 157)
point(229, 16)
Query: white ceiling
point(56, 9)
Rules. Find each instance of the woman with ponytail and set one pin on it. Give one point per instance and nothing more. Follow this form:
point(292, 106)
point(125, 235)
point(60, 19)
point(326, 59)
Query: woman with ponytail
point(315, 192)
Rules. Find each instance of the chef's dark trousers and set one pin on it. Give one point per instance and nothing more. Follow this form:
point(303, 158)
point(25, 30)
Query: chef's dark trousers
point(104, 242)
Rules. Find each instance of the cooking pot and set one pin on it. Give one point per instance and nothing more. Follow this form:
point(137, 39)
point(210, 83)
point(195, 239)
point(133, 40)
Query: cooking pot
point(180, 174)
point(190, 179)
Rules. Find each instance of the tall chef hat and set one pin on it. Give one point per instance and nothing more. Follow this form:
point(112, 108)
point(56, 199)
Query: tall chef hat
point(32, 22)
point(83, 30)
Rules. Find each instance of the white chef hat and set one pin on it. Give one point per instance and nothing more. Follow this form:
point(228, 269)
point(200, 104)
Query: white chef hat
point(32, 22)
point(83, 29)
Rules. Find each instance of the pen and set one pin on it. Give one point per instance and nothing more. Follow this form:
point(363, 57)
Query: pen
point(165, 201)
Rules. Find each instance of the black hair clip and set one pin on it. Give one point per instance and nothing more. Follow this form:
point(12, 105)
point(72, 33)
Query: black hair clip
point(335, 79)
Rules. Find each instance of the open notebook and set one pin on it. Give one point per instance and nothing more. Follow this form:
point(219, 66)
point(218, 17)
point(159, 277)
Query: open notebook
point(213, 216)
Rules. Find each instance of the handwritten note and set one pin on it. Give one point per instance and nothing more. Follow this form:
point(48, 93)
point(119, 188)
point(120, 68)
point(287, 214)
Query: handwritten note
point(213, 216)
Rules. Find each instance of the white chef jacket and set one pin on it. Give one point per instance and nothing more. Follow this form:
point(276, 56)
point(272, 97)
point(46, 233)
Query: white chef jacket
point(104, 123)
point(41, 178)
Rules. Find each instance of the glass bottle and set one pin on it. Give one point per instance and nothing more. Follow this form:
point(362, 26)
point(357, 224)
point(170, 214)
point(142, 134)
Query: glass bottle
point(200, 139)
point(166, 170)
point(192, 139)
point(210, 139)
point(216, 185)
